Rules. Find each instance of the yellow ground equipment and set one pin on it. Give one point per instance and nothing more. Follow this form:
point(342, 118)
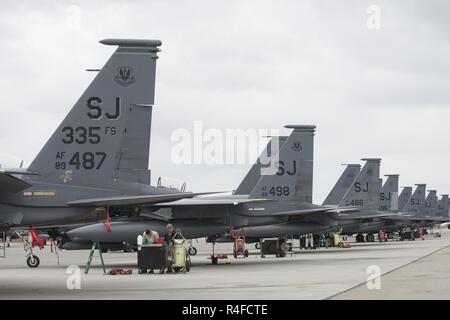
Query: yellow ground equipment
point(337, 240)
point(180, 257)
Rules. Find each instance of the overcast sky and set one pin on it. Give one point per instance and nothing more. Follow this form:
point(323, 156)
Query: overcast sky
point(246, 64)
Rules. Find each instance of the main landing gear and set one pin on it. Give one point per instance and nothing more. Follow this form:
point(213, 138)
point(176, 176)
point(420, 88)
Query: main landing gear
point(369, 237)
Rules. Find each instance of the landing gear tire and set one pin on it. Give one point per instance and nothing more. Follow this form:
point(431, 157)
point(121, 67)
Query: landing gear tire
point(33, 262)
point(188, 264)
point(192, 251)
point(359, 237)
point(370, 238)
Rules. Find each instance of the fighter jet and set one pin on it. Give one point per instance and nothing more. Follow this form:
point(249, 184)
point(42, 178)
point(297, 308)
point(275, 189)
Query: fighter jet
point(98, 156)
point(299, 215)
point(424, 210)
point(308, 224)
point(413, 214)
point(275, 198)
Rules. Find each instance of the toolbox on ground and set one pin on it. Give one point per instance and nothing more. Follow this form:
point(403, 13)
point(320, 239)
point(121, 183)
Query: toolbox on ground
point(153, 256)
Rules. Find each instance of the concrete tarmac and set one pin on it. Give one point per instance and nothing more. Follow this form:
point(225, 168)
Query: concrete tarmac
point(410, 269)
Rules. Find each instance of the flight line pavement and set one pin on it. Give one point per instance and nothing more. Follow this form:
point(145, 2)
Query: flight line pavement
point(409, 269)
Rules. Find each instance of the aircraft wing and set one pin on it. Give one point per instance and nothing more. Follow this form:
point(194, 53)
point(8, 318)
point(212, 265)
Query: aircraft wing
point(386, 215)
point(209, 202)
point(436, 219)
point(400, 217)
point(291, 213)
point(135, 200)
point(9, 183)
point(307, 210)
point(342, 210)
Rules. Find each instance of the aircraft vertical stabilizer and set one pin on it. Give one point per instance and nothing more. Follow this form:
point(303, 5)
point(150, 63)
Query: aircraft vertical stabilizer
point(290, 178)
point(363, 193)
point(389, 200)
point(254, 174)
point(344, 182)
point(416, 204)
point(106, 135)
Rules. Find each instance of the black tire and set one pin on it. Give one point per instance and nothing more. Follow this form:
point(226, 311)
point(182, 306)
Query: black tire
point(370, 237)
point(34, 264)
point(246, 253)
point(359, 237)
point(188, 264)
point(257, 245)
point(192, 251)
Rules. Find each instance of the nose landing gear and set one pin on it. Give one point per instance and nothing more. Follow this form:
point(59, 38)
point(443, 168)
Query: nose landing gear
point(29, 241)
point(33, 261)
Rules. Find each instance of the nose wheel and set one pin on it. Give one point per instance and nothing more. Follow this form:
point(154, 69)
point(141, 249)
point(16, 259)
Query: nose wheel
point(192, 251)
point(33, 261)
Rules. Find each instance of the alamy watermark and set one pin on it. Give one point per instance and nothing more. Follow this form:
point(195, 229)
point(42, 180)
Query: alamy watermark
point(230, 146)
point(73, 20)
point(373, 277)
point(373, 21)
point(73, 281)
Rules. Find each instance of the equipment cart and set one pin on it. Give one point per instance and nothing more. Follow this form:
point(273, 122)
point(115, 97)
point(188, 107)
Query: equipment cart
point(239, 247)
point(152, 257)
point(273, 246)
point(181, 260)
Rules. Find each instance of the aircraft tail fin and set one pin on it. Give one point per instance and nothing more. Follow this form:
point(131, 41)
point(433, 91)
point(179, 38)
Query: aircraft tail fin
point(431, 203)
point(254, 174)
point(106, 135)
point(416, 204)
point(443, 206)
point(404, 197)
point(344, 182)
point(290, 176)
point(364, 190)
point(389, 194)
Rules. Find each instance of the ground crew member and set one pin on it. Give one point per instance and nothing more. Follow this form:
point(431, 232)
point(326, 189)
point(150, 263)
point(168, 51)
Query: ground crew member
point(170, 235)
point(150, 236)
